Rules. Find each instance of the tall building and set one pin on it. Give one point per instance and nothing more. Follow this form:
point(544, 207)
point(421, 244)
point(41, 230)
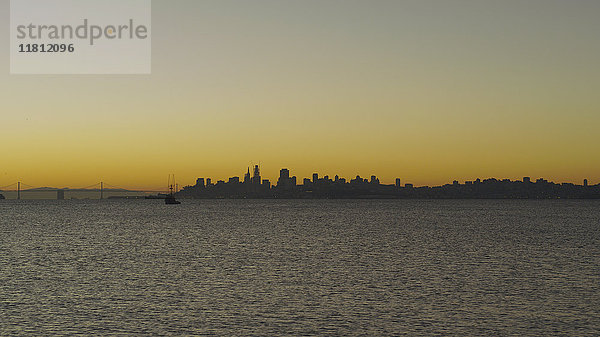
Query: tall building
point(315, 177)
point(284, 180)
point(256, 177)
point(200, 182)
point(585, 182)
point(247, 177)
point(398, 183)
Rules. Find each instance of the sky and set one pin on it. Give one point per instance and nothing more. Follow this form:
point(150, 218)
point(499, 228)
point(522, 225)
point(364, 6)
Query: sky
point(426, 91)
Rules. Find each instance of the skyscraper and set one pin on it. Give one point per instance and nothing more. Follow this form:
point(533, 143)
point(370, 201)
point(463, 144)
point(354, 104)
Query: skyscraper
point(284, 180)
point(256, 178)
point(247, 177)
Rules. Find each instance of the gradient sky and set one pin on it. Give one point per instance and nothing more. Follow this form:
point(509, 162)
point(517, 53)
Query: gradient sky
point(427, 91)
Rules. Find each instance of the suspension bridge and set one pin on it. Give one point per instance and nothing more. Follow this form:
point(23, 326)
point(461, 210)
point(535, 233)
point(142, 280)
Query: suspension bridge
point(101, 189)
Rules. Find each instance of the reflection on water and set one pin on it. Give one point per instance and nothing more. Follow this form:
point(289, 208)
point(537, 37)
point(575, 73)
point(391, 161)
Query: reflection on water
point(300, 267)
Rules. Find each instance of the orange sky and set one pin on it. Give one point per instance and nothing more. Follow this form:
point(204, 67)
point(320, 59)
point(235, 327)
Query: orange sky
point(421, 90)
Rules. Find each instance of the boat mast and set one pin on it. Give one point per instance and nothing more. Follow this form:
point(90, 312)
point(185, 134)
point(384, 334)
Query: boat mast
point(171, 182)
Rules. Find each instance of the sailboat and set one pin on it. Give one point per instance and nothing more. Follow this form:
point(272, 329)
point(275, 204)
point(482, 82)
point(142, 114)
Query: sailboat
point(170, 199)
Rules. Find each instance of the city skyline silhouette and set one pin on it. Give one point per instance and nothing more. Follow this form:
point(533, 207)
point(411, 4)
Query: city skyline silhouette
point(253, 185)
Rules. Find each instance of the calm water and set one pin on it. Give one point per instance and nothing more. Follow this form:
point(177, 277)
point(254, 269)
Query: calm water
point(242, 268)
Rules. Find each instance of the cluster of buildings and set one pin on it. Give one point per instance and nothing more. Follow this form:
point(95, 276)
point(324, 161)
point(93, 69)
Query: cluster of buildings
point(254, 186)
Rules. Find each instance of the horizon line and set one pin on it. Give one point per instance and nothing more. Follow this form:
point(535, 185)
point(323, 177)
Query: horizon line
point(526, 179)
